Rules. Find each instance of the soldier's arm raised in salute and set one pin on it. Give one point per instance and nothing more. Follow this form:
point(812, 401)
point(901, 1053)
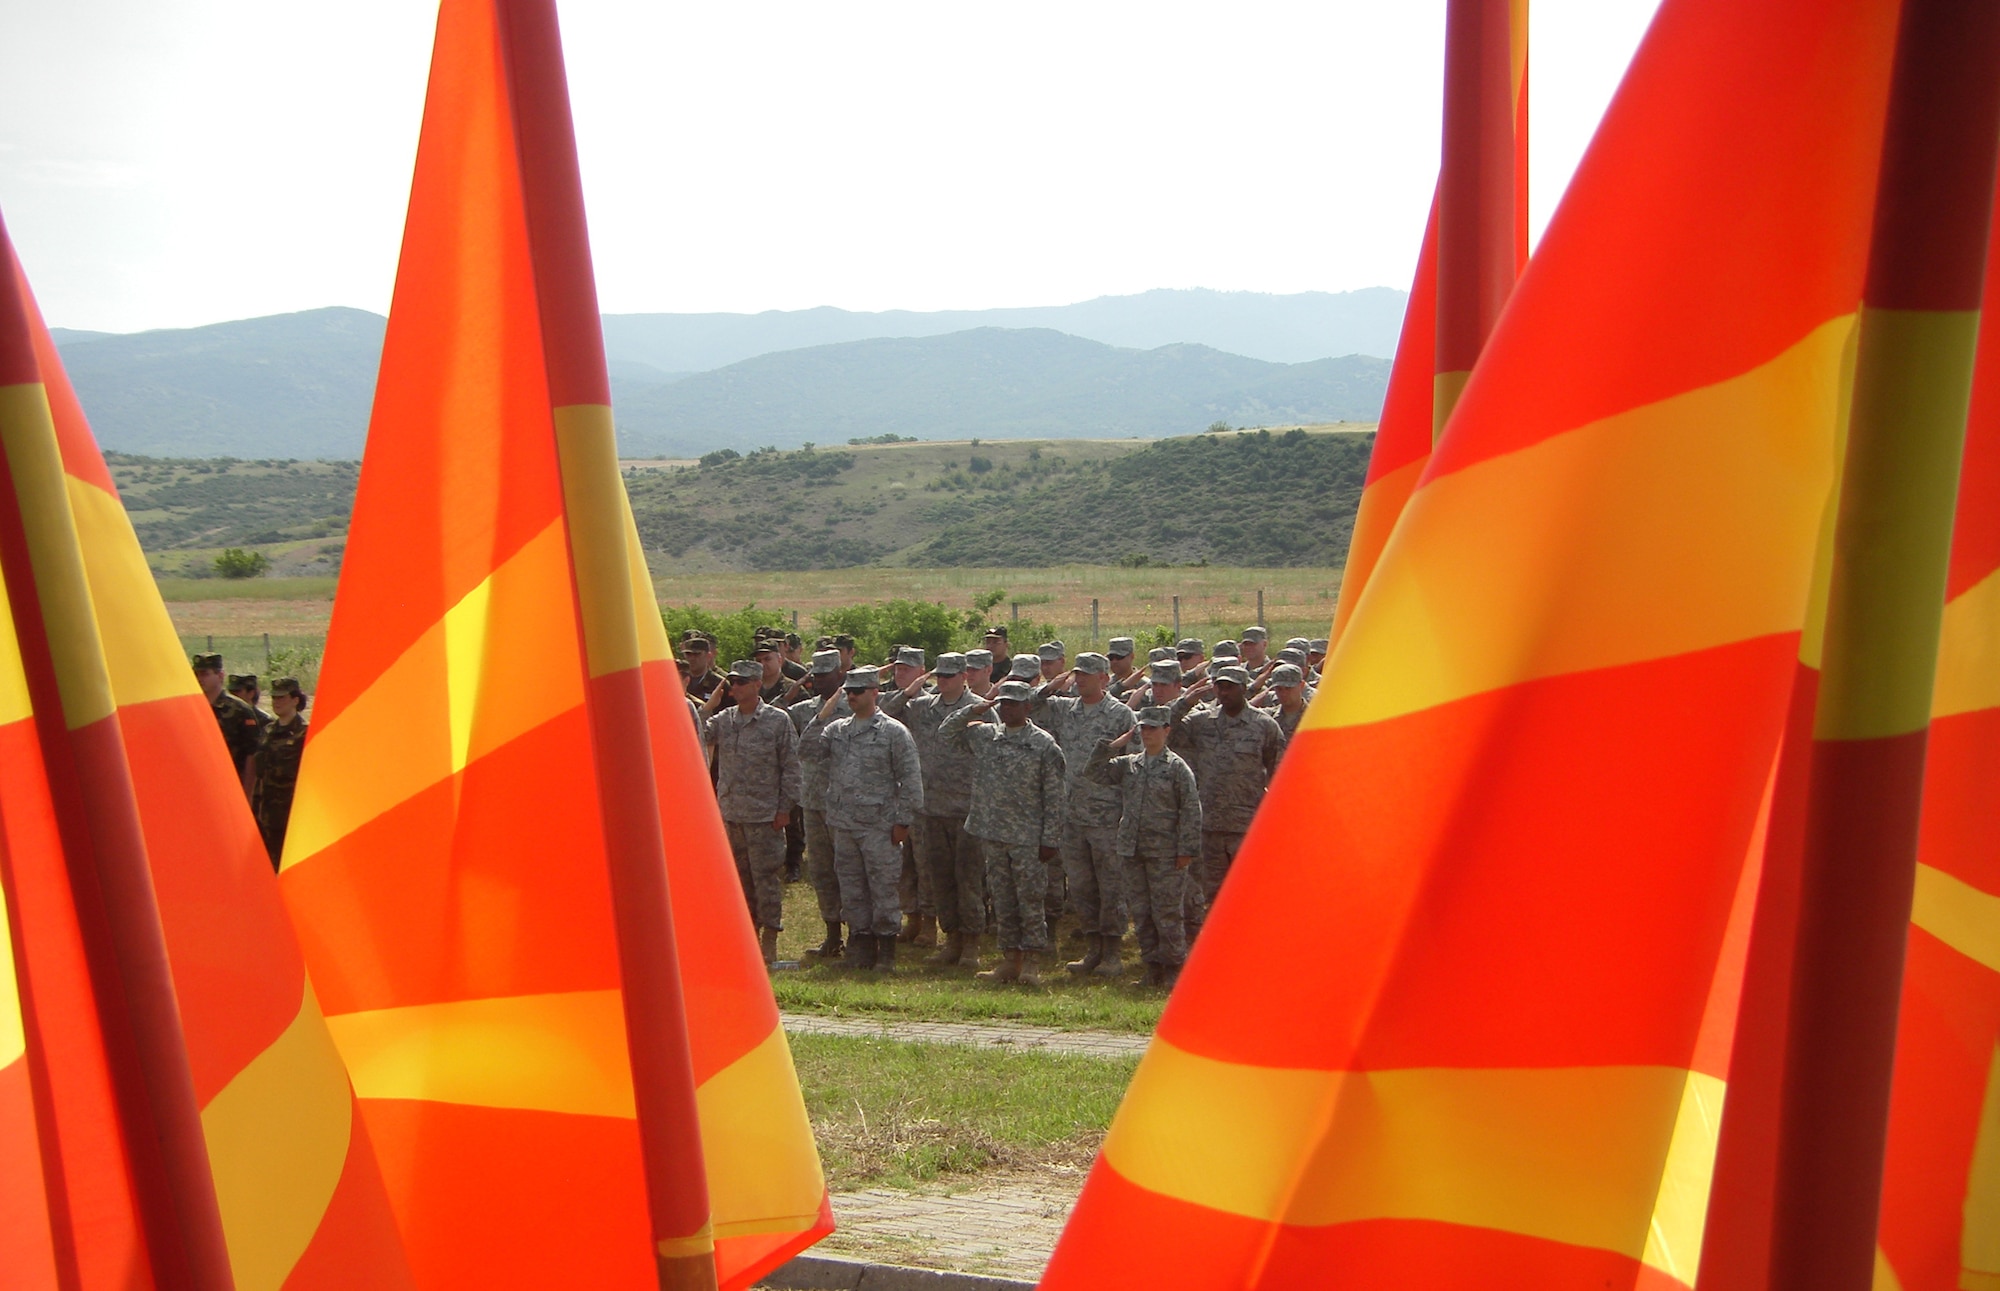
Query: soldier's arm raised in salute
point(1105, 766)
point(956, 728)
point(812, 740)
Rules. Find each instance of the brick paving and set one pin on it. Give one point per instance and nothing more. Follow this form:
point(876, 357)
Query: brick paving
point(1001, 1227)
point(1096, 1044)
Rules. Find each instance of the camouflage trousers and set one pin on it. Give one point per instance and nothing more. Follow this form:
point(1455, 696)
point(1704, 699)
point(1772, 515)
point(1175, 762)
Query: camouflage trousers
point(869, 866)
point(1092, 869)
point(957, 872)
point(760, 868)
point(1156, 890)
point(273, 814)
point(914, 889)
point(1017, 878)
point(1218, 853)
point(819, 865)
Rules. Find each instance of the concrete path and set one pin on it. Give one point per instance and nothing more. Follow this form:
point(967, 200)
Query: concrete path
point(1001, 1227)
point(1096, 1044)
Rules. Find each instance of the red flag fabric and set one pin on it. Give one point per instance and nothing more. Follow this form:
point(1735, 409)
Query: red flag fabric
point(1522, 803)
point(504, 858)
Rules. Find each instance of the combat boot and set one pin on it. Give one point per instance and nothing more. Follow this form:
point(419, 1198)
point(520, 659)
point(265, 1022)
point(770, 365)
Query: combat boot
point(861, 948)
point(1169, 974)
point(1007, 970)
point(830, 948)
point(1112, 965)
point(926, 931)
point(1156, 974)
point(1031, 968)
point(767, 942)
point(885, 955)
point(1091, 957)
point(909, 928)
point(951, 952)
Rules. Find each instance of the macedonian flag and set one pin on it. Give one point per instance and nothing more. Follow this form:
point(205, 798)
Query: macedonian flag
point(189, 1121)
point(505, 859)
point(1521, 805)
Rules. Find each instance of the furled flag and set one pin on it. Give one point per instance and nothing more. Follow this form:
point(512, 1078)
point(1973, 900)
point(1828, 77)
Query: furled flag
point(1475, 246)
point(127, 849)
point(1521, 806)
point(574, 1075)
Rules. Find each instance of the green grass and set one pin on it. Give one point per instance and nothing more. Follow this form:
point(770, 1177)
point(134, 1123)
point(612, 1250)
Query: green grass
point(921, 993)
point(246, 589)
point(889, 1114)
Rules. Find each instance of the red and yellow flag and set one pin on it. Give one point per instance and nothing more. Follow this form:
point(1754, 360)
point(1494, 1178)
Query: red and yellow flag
point(1475, 247)
point(1526, 794)
point(504, 858)
point(162, 995)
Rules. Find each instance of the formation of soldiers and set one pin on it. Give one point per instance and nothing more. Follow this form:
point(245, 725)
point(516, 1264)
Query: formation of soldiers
point(985, 790)
point(264, 745)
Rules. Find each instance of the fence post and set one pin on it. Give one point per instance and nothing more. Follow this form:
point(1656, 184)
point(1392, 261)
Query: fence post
point(211, 643)
point(1016, 607)
point(1177, 618)
point(1093, 620)
point(1260, 609)
point(267, 656)
point(795, 620)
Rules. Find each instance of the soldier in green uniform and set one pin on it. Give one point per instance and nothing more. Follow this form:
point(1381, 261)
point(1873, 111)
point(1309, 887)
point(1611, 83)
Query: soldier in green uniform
point(243, 685)
point(275, 768)
point(236, 720)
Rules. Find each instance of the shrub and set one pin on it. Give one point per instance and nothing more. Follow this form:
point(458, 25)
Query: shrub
point(235, 562)
point(877, 627)
point(733, 632)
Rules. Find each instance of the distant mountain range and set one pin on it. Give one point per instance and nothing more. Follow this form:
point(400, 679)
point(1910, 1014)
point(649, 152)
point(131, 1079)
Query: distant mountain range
point(1165, 362)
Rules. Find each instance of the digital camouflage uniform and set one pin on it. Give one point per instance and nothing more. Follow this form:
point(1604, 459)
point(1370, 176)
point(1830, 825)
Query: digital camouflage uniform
point(812, 805)
point(1016, 810)
point(873, 783)
point(757, 779)
point(1233, 758)
point(1090, 824)
point(949, 855)
point(274, 779)
point(1159, 821)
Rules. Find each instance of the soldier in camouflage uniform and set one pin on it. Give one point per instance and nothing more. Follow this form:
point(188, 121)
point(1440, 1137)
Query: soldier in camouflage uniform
point(1027, 669)
point(874, 791)
point(235, 719)
point(996, 644)
point(979, 672)
point(1289, 685)
point(1235, 748)
point(1126, 675)
point(1159, 835)
point(913, 889)
point(1256, 649)
point(274, 773)
point(698, 648)
point(949, 854)
point(826, 677)
point(1017, 815)
point(757, 781)
point(1090, 829)
point(243, 685)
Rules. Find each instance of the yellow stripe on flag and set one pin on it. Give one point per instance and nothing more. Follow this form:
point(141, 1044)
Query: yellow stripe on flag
point(141, 650)
point(1958, 914)
point(1968, 669)
point(769, 1181)
point(594, 500)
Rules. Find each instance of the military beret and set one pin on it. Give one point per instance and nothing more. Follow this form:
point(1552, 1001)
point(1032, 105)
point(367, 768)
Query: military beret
point(1317, 645)
point(1164, 673)
point(1227, 650)
point(1188, 645)
point(1254, 633)
point(862, 679)
point(823, 643)
point(951, 663)
point(769, 645)
point(997, 630)
point(1095, 664)
point(745, 670)
point(1024, 668)
point(1231, 673)
point(843, 641)
point(208, 663)
point(1155, 715)
point(1297, 643)
point(910, 656)
point(1050, 650)
point(1292, 655)
point(976, 659)
point(238, 680)
point(288, 686)
point(1159, 654)
point(1014, 690)
point(825, 661)
point(1120, 648)
point(1287, 674)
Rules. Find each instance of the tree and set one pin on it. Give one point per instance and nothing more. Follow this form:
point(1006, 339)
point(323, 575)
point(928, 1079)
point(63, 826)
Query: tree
point(235, 562)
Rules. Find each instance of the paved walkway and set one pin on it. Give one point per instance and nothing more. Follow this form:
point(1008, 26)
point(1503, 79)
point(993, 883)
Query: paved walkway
point(1005, 1228)
point(1097, 1044)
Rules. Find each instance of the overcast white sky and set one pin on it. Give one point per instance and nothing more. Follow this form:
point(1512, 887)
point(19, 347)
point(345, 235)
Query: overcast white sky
point(173, 162)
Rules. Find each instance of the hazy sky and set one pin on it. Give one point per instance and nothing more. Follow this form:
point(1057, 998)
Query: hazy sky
point(174, 162)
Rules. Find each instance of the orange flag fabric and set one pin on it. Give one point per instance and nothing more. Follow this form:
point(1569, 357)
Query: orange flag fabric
point(1522, 803)
point(504, 858)
point(274, 1183)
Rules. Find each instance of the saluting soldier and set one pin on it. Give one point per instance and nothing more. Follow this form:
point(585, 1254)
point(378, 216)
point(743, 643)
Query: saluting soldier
point(1289, 685)
point(1234, 748)
point(275, 767)
point(825, 678)
point(1090, 826)
point(979, 672)
point(757, 781)
point(1126, 675)
point(948, 853)
point(913, 888)
point(1256, 649)
point(243, 685)
point(1027, 669)
point(236, 720)
point(1159, 835)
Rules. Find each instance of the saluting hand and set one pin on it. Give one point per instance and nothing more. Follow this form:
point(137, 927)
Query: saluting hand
point(1122, 740)
point(916, 687)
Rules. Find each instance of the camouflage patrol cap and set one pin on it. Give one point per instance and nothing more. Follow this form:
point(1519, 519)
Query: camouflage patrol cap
point(1231, 673)
point(843, 641)
point(769, 645)
point(997, 630)
point(792, 640)
point(1292, 656)
point(863, 679)
point(1255, 633)
point(1160, 654)
point(288, 686)
point(207, 663)
point(1024, 668)
point(1093, 663)
point(1317, 645)
point(746, 670)
point(1050, 651)
point(238, 680)
point(1164, 673)
point(1189, 645)
point(822, 643)
point(693, 641)
point(1120, 648)
point(1016, 690)
point(951, 664)
point(1227, 650)
point(825, 661)
point(1287, 674)
point(1155, 715)
point(975, 659)
point(910, 656)
point(1297, 643)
